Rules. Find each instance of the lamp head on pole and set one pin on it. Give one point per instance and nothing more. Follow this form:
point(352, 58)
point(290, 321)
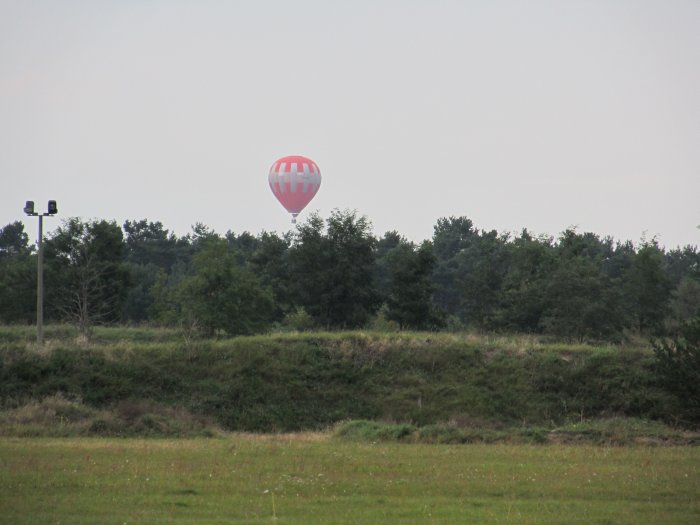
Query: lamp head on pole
point(29, 208)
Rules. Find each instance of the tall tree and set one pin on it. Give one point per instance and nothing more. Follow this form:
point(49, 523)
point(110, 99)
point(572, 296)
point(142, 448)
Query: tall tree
point(409, 297)
point(17, 276)
point(685, 301)
point(683, 263)
point(270, 262)
point(580, 299)
point(86, 278)
point(450, 237)
point(579, 303)
point(470, 269)
point(13, 240)
point(332, 269)
point(648, 288)
point(221, 295)
point(383, 249)
point(531, 263)
point(150, 250)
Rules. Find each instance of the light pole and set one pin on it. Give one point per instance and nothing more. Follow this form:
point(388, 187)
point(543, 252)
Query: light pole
point(29, 210)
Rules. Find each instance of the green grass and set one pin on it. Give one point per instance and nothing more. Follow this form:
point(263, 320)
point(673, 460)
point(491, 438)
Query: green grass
point(311, 380)
point(311, 479)
point(106, 336)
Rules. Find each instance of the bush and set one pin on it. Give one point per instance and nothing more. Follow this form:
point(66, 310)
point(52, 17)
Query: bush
point(678, 368)
point(299, 320)
point(372, 431)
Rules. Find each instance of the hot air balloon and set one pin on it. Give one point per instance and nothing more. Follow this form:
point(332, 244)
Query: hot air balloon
point(294, 180)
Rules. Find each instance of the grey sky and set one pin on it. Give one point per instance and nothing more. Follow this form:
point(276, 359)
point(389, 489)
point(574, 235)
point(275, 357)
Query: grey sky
point(538, 114)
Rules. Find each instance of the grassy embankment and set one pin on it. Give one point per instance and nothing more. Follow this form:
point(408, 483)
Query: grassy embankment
point(422, 386)
point(310, 479)
point(414, 387)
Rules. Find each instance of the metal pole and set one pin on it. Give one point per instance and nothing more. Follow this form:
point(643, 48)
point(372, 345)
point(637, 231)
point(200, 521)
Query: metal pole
point(40, 286)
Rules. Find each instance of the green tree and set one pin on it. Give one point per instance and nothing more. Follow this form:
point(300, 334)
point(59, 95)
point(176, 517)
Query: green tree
point(270, 262)
point(450, 237)
point(332, 269)
point(244, 244)
point(580, 304)
point(383, 249)
point(221, 295)
point(86, 278)
point(13, 240)
point(683, 263)
point(648, 288)
point(678, 368)
point(531, 264)
point(149, 243)
point(17, 276)
point(581, 301)
point(149, 251)
point(685, 300)
point(470, 268)
point(409, 298)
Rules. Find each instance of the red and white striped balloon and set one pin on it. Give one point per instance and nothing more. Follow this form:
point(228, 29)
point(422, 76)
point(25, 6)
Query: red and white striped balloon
point(294, 180)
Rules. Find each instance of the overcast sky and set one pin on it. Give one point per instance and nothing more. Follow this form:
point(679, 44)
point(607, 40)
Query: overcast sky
point(537, 114)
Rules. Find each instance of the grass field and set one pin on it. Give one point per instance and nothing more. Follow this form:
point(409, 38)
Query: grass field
point(314, 478)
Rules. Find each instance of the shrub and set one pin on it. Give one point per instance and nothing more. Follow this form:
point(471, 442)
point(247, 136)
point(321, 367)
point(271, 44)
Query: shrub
point(372, 431)
point(299, 320)
point(678, 368)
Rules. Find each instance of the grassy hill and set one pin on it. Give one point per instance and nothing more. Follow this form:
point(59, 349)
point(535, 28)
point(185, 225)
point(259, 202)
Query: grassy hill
point(152, 381)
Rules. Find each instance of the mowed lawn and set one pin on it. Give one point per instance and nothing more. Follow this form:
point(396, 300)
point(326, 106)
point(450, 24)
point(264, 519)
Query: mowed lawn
point(313, 478)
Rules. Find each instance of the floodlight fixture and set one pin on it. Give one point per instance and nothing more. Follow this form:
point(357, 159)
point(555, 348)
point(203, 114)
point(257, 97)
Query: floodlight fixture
point(29, 210)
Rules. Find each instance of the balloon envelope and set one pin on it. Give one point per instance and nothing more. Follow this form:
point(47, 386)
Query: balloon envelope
point(294, 180)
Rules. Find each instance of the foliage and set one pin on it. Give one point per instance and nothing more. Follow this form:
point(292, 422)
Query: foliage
point(298, 320)
point(150, 252)
point(685, 302)
point(13, 240)
point(522, 304)
point(331, 270)
point(270, 262)
point(220, 295)
point(372, 431)
point(86, 277)
point(410, 289)
point(649, 288)
point(470, 270)
point(577, 287)
point(678, 368)
point(17, 276)
point(579, 302)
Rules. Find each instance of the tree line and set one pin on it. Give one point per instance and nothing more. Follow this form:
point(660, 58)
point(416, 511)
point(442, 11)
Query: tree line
point(334, 273)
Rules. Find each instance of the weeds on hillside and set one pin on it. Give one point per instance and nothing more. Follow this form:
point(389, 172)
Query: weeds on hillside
point(613, 431)
point(59, 416)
